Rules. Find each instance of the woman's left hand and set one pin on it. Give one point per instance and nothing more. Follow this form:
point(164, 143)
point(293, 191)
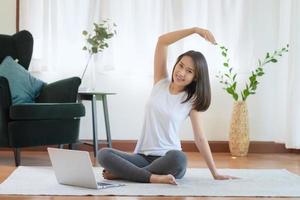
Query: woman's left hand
point(224, 177)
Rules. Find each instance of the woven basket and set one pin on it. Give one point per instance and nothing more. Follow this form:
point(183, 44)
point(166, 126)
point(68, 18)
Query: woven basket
point(239, 130)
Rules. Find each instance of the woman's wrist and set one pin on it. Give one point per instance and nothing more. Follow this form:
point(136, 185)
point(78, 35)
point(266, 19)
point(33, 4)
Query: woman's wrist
point(214, 173)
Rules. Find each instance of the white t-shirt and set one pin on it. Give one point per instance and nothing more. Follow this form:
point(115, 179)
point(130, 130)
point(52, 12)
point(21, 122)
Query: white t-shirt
point(164, 113)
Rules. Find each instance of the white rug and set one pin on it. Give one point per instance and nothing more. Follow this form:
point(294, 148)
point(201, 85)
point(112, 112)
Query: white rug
point(197, 182)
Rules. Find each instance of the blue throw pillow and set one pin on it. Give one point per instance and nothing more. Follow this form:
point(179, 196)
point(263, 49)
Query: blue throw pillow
point(23, 86)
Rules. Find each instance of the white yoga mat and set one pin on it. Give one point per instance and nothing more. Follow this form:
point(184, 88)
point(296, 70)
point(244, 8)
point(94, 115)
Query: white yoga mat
point(196, 182)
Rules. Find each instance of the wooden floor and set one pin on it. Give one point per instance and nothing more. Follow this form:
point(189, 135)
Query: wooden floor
point(223, 160)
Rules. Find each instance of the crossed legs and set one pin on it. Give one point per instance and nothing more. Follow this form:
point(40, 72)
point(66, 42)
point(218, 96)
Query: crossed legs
point(140, 168)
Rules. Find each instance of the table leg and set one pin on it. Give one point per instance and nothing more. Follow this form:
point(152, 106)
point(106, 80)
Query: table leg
point(106, 118)
point(95, 128)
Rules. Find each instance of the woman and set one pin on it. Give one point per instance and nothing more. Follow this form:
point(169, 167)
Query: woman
point(158, 157)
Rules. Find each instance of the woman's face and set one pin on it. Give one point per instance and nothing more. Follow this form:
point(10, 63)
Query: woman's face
point(184, 72)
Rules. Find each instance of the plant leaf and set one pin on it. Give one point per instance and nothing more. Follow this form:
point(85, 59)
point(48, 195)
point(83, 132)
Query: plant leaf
point(234, 86)
point(84, 32)
point(273, 60)
point(260, 73)
point(234, 77)
point(235, 96)
point(229, 90)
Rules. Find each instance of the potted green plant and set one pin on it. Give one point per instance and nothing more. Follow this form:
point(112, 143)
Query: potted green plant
point(239, 127)
point(97, 40)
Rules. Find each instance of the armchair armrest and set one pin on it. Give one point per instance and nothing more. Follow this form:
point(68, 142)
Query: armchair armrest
point(5, 102)
point(5, 97)
point(63, 91)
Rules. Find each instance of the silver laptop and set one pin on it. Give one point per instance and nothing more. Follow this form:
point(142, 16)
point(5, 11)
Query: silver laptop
point(75, 168)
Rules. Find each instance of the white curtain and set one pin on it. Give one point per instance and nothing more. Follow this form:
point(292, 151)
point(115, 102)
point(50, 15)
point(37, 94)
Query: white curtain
point(293, 94)
point(248, 28)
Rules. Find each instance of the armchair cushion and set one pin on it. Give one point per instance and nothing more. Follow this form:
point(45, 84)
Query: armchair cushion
point(23, 86)
point(49, 111)
point(62, 91)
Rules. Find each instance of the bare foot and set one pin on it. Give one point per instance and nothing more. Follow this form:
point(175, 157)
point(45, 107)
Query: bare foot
point(107, 175)
point(168, 179)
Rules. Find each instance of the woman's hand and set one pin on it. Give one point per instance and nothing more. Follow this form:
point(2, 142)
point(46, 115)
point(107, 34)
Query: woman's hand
point(224, 177)
point(206, 34)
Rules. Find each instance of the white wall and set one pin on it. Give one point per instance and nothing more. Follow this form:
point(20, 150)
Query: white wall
point(7, 16)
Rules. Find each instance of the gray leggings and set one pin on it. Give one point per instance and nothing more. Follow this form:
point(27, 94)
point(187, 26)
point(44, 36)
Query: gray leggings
point(138, 167)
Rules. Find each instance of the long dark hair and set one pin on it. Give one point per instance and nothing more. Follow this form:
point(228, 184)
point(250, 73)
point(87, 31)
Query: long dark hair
point(199, 89)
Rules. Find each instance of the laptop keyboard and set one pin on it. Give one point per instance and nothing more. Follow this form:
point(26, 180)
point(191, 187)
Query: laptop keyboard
point(103, 184)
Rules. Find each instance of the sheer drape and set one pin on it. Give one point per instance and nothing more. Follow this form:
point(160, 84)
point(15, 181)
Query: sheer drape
point(293, 81)
point(247, 28)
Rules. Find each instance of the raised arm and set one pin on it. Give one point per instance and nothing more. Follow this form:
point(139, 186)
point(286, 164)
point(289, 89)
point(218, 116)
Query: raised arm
point(203, 146)
point(161, 50)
